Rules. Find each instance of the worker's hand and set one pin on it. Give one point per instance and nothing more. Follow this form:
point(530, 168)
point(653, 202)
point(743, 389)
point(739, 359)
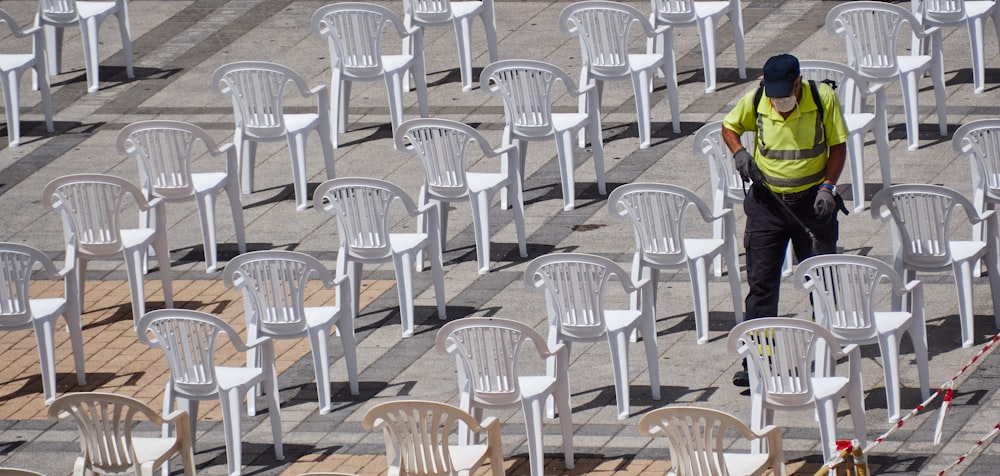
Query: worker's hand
point(825, 204)
point(743, 159)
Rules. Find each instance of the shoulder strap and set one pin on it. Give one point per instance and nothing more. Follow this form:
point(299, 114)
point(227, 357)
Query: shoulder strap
point(816, 99)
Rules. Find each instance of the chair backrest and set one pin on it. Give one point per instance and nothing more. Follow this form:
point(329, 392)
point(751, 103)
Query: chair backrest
point(922, 215)
point(106, 422)
point(575, 287)
point(698, 438)
point(362, 207)
point(657, 215)
point(527, 90)
point(90, 206)
point(674, 11)
point(487, 353)
point(417, 434)
point(727, 184)
point(783, 354)
point(164, 150)
point(851, 86)
point(17, 262)
point(273, 284)
point(845, 292)
point(442, 145)
point(257, 90)
point(942, 11)
point(58, 11)
point(428, 11)
point(871, 30)
point(354, 33)
point(980, 142)
point(188, 339)
point(603, 29)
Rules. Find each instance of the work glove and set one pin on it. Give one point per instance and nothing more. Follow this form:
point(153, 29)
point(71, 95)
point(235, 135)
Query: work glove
point(825, 204)
point(743, 159)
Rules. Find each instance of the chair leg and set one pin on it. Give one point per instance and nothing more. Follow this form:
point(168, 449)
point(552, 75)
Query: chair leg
point(978, 61)
point(347, 340)
point(230, 403)
point(909, 83)
point(133, 268)
point(480, 202)
point(45, 338)
point(522, 246)
point(297, 148)
point(889, 350)
point(89, 30)
point(321, 366)
point(163, 262)
point(404, 286)
point(206, 215)
point(698, 270)
point(11, 91)
point(236, 205)
point(856, 158)
point(53, 46)
point(618, 342)
point(963, 283)
point(561, 396)
point(827, 412)
point(647, 326)
point(597, 148)
point(463, 38)
point(490, 25)
point(532, 409)
point(640, 84)
point(72, 317)
point(736, 20)
point(126, 34)
point(706, 30)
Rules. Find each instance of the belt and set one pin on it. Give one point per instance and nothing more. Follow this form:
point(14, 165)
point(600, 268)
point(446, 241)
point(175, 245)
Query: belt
point(794, 196)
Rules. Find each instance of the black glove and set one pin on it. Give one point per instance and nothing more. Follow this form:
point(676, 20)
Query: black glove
point(743, 159)
point(825, 204)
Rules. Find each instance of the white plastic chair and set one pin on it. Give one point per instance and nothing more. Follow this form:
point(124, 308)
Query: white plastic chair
point(698, 437)
point(727, 186)
point(428, 13)
point(443, 147)
point(19, 311)
point(257, 89)
point(54, 15)
point(921, 241)
point(656, 212)
point(603, 28)
point(488, 356)
point(845, 294)
point(788, 363)
point(90, 206)
point(980, 142)
point(417, 439)
point(12, 66)
point(354, 33)
point(576, 288)
point(956, 13)
point(362, 207)
point(188, 339)
point(852, 91)
point(165, 152)
point(705, 15)
point(274, 283)
point(527, 90)
point(871, 30)
point(107, 424)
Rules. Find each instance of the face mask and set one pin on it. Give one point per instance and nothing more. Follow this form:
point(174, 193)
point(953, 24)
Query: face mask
point(785, 104)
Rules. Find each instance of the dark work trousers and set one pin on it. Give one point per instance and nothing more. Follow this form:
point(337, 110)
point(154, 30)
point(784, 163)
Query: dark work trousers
point(769, 227)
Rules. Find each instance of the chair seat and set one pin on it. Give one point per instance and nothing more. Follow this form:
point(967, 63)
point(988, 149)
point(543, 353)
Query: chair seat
point(483, 181)
point(568, 121)
point(828, 386)
point(963, 250)
point(136, 236)
point(235, 377)
point(745, 464)
point(208, 181)
point(859, 121)
point(535, 385)
point(466, 457)
point(93, 9)
point(618, 319)
point(393, 63)
point(913, 63)
point(10, 62)
point(641, 61)
point(150, 449)
point(400, 242)
point(464, 9)
point(47, 306)
point(300, 122)
point(698, 247)
point(977, 8)
point(709, 9)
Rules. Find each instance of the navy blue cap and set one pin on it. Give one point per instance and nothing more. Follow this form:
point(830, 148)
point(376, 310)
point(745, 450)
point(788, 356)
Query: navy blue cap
point(780, 73)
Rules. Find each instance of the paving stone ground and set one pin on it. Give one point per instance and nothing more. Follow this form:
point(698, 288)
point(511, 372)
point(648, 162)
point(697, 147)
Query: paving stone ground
point(179, 43)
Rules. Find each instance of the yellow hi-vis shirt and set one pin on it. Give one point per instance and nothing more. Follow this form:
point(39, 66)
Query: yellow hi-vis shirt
point(792, 152)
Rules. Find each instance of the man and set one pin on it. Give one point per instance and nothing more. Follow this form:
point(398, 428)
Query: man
point(800, 152)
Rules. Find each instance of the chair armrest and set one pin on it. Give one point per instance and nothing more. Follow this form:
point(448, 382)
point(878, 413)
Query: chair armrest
point(718, 216)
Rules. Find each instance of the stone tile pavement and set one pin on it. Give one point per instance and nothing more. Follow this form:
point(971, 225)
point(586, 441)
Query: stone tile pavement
point(179, 43)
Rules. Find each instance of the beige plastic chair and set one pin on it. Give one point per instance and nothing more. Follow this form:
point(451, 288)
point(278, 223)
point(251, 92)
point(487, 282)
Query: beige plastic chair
point(165, 152)
point(488, 356)
point(91, 207)
point(921, 217)
point(418, 439)
point(603, 28)
point(657, 212)
point(576, 288)
point(700, 437)
point(788, 365)
point(54, 15)
point(705, 15)
point(189, 340)
point(18, 311)
point(12, 66)
point(845, 290)
point(364, 220)
point(446, 153)
point(257, 90)
point(107, 425)
point(353, 31)
point(428, 13)
point(273, 283)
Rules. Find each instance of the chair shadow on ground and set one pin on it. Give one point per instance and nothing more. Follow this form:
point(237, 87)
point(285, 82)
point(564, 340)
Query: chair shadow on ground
point(258, 458)
point(639, 396)
point(31, 385)
point(425, 318)
point(195, 253)
point(111, 76)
